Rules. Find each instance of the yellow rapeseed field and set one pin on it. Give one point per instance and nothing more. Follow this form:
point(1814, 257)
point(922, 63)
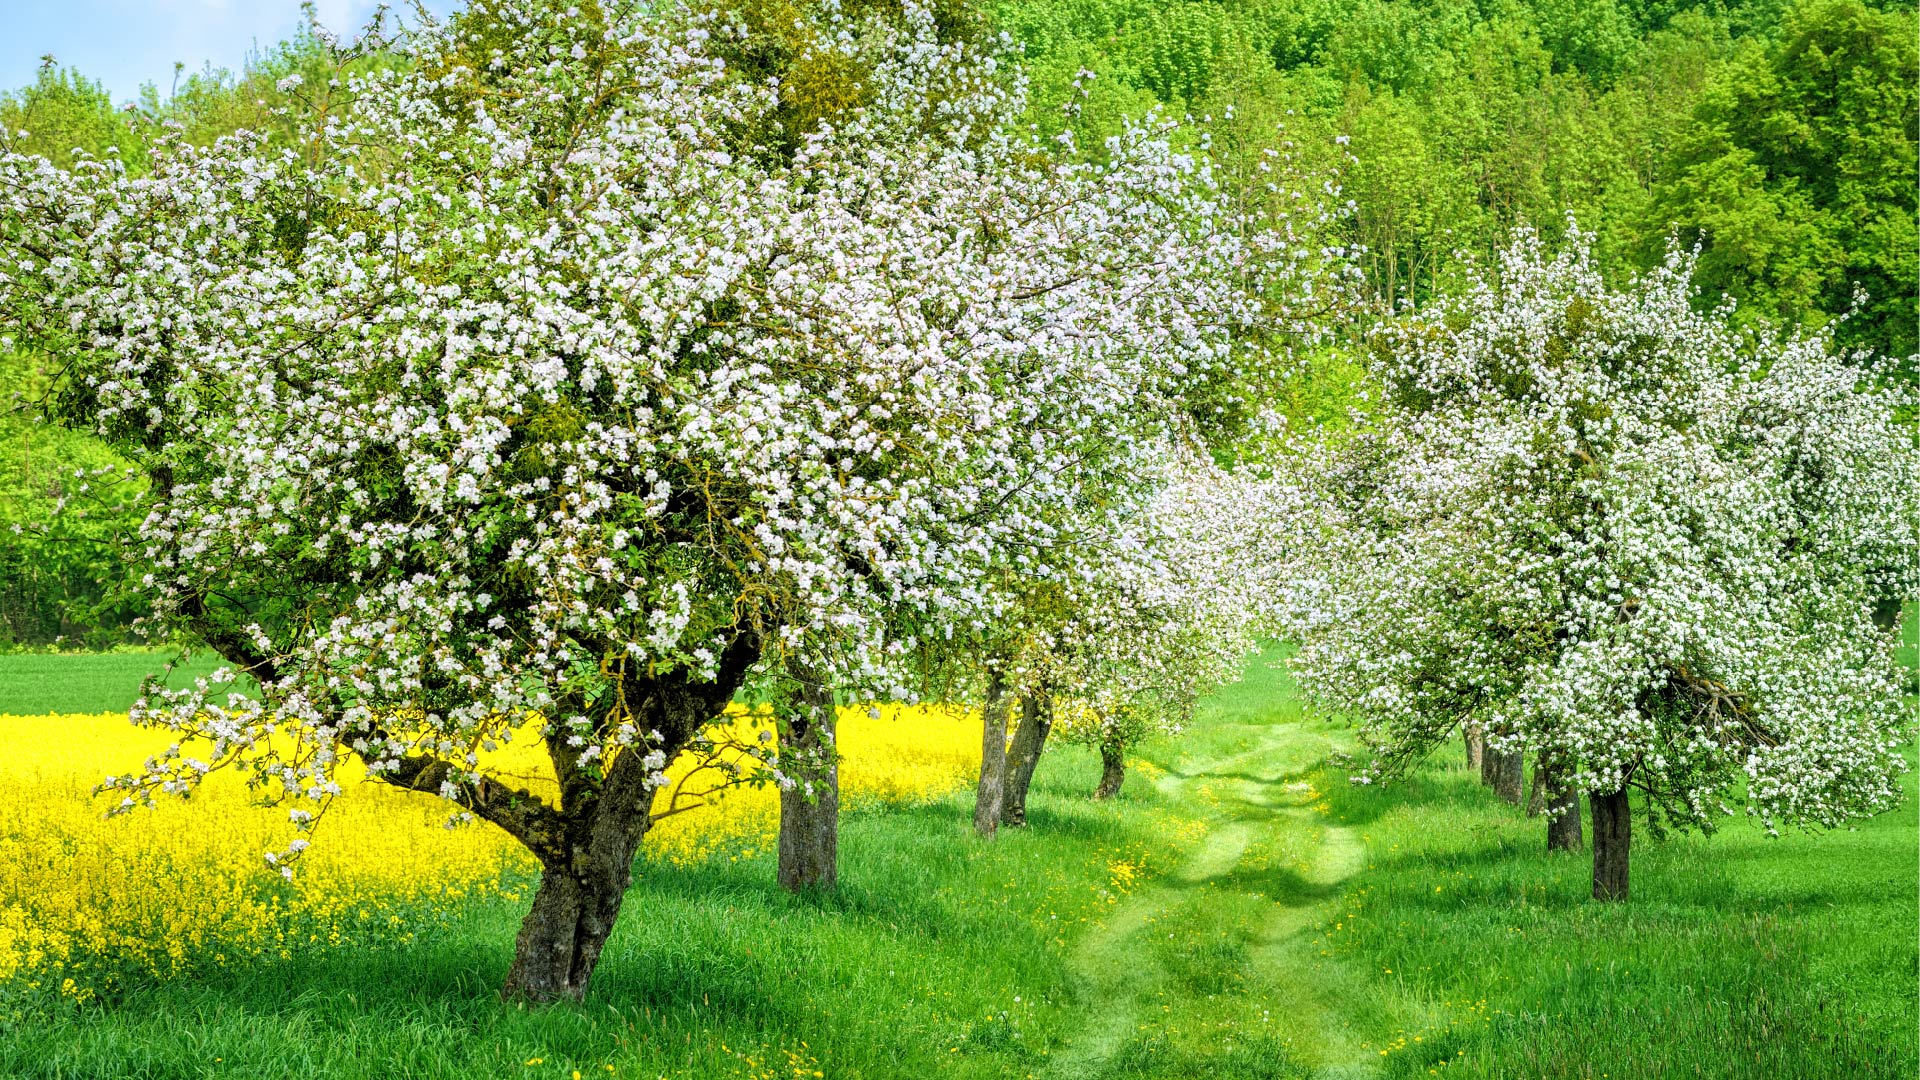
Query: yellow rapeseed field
point(87, 902)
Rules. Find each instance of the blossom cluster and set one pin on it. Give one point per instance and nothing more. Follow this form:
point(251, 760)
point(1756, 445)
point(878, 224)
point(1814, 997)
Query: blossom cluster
point(1166, 616)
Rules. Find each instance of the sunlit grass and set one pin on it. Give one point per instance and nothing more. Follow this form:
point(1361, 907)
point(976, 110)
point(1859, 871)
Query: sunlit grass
point(1460, 948)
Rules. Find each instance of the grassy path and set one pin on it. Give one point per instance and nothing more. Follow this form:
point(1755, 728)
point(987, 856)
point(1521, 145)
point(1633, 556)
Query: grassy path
point(1247, 786)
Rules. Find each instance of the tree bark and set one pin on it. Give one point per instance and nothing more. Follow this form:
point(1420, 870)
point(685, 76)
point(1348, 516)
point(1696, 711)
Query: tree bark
point(1612, 837)
point(810, 808)
point(586, 842)
point(1113, 770)
point(1563, 806)
point(572, 915)
point(1029, 740)
point(1537, 791)
point(993, 759)
point(1508, 773)
point(1476, 747)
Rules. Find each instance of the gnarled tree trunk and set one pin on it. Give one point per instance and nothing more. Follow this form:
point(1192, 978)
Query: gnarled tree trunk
point(1113, 770)
point(573, 913)
point(586, 863)
point(810, 808)
point(1029, 739)
point(586, 843)
point(1476, 747)
point(993, 759)
point(1612, 838)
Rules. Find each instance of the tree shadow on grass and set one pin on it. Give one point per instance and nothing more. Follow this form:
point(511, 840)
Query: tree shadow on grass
point(1364, 804)
point(1278, 884)
point(453, 982)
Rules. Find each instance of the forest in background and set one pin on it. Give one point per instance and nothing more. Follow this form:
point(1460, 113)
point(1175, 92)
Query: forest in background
point(1777, 137)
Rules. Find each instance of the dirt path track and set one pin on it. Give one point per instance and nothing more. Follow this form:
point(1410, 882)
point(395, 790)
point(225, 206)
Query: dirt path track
point(1250, 789)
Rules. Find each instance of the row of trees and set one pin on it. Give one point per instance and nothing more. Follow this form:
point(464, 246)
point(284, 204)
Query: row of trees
point(607, 364)
point(1778, 136)
point(1621, 535)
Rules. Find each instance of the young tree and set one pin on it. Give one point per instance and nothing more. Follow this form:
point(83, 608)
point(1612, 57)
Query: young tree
point(545, 391)
point(1611, 528)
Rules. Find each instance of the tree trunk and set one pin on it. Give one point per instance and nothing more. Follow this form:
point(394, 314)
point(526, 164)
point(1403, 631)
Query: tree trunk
point(810, 808)
point(993, 759)
point(1036, 722)
point(1612, 836)
point(1537, 791)
point(1476, 747)
point(587, 839)
point(1563, 806)
point(572, 915)
point(1113, 770)
point(1508, 771)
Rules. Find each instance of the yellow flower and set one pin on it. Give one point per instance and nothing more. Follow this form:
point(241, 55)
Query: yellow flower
point(183, 887)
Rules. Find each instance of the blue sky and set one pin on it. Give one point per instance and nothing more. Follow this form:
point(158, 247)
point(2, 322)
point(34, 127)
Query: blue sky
point(124, 43)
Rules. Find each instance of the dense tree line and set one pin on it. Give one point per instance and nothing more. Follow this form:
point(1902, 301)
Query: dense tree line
point(1778, 136)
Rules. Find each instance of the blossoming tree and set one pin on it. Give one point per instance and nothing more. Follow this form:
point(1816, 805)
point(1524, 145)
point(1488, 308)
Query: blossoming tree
point(1170, 619)
point(547, 393)
point(1607, 527)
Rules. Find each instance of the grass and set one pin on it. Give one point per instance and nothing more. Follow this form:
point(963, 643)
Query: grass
point(1220, 920)
point(34, 684)
point(1738, 955)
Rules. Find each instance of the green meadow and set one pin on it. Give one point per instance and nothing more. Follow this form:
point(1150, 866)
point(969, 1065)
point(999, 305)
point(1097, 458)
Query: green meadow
point(1241, 911)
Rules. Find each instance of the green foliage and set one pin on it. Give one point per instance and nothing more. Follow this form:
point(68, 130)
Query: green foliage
point(1797, 173)
point(1778, 134)
point(64, 111)
point(262, 97)
point(65, 506)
